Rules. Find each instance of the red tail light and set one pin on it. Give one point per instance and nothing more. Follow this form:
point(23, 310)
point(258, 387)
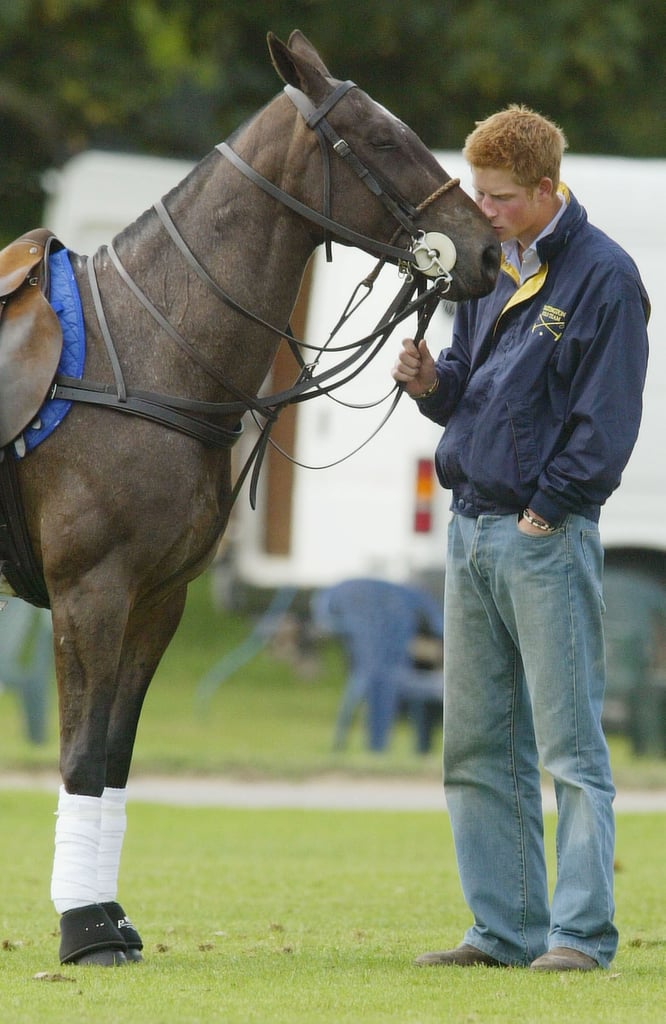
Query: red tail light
point(424, 492)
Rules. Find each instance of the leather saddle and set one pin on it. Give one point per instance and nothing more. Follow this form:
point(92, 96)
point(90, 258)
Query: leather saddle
point(30, 333)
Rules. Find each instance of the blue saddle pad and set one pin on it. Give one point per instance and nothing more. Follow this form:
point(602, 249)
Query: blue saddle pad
point(66, 302)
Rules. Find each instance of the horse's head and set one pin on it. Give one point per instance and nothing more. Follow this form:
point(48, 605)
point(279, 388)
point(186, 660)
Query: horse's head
point(412, 203)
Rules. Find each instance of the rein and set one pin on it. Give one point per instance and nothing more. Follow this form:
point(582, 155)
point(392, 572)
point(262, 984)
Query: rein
point(193, 417)
point(372, 245)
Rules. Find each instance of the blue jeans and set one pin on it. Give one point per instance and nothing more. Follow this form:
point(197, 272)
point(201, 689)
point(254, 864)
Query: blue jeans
point(525, 676)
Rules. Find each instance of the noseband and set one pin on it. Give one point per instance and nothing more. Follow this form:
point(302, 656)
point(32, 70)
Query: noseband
point(433, 254)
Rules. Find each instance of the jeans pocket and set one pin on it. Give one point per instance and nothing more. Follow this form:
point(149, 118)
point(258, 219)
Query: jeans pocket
point(543, 534)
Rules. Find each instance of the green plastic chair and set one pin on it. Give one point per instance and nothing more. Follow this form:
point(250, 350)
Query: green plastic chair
point(26, 660)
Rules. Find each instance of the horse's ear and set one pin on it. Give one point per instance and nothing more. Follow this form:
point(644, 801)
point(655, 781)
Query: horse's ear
point(299, 64)
point(302, 46)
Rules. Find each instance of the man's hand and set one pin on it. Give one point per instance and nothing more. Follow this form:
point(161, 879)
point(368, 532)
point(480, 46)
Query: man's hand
point(532, 531)
point(527, 523)
point(414, 368)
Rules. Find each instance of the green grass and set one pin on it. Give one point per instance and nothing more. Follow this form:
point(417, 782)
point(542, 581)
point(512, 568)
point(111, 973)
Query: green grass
point(305, 916)
point(272, 717)
point(292, 916)
point(269, 717)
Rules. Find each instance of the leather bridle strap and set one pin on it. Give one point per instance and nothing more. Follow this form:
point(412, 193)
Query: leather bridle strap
point(370, 245)
point(315, 118)
point(312, 117)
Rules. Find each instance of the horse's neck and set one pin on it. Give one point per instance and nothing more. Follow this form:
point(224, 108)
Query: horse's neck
point(254, 251)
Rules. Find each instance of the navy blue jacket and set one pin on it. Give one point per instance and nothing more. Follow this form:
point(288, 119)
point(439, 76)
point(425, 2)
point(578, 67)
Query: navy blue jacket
point(540, 392)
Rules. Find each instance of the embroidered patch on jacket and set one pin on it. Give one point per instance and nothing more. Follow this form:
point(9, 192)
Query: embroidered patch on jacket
point(550, 321)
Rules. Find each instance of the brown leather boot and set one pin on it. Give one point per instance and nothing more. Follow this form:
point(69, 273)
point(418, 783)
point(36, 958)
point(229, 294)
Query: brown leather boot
point(561, 958)
point(461, 956)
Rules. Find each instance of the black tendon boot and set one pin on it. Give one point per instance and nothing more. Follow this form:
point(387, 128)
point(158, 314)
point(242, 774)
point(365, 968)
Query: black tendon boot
point(89, 936)
point(127, 930)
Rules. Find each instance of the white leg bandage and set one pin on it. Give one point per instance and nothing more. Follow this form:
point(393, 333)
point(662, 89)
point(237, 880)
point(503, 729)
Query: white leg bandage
point(77, 838)
point(114, 823)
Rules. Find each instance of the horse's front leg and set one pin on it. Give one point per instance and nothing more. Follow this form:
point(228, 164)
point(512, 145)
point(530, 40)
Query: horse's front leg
point(88, 631)
point(104, 665)
point(147, 637)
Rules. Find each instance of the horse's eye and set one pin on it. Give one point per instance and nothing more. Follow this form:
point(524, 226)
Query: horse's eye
point(384, 144)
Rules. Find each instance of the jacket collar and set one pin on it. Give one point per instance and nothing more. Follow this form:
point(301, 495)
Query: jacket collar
point(573, 218)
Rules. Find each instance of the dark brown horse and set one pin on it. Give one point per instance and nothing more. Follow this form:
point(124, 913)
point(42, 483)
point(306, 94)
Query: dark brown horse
point(123, 512)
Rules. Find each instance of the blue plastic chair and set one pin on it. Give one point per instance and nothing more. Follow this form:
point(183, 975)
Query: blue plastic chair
point(377, 623)
point(263, 632)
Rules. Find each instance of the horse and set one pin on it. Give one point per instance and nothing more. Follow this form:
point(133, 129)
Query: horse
point(124, 511)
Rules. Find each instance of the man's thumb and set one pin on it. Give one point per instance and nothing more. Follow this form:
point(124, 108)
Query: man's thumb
point(423, 349)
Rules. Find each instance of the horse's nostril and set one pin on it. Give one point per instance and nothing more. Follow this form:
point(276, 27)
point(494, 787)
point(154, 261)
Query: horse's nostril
point(491, 260)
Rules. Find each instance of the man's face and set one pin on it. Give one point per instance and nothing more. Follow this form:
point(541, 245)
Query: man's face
point(513, 210)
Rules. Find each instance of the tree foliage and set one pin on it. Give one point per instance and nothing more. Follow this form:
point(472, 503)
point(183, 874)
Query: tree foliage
point(172, 77)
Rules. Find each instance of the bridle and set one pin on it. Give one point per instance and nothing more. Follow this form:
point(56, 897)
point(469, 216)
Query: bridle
point(422, 254)
point(432, 254)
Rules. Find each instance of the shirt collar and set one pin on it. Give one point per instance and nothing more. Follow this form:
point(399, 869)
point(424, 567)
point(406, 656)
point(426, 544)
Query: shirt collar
point(530, 262)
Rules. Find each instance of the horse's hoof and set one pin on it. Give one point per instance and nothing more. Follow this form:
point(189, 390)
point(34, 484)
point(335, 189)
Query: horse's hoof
point(127, 930)
point(102, 958)
point(88, 935)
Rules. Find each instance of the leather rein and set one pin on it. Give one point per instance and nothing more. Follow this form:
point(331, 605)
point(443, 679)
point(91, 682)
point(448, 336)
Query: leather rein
point(198, 419)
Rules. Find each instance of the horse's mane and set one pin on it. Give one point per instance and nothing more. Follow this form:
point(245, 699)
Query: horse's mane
point(136, 230)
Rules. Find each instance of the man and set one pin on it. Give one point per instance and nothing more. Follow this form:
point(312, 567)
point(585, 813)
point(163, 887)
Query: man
point(540, 397)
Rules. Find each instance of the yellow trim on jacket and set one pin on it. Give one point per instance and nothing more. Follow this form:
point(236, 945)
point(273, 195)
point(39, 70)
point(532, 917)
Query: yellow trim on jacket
point(534, 283)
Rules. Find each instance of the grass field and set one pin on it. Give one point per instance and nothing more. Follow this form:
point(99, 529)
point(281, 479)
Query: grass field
point(269, 718)
point(305, 916)
point(284, 916)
